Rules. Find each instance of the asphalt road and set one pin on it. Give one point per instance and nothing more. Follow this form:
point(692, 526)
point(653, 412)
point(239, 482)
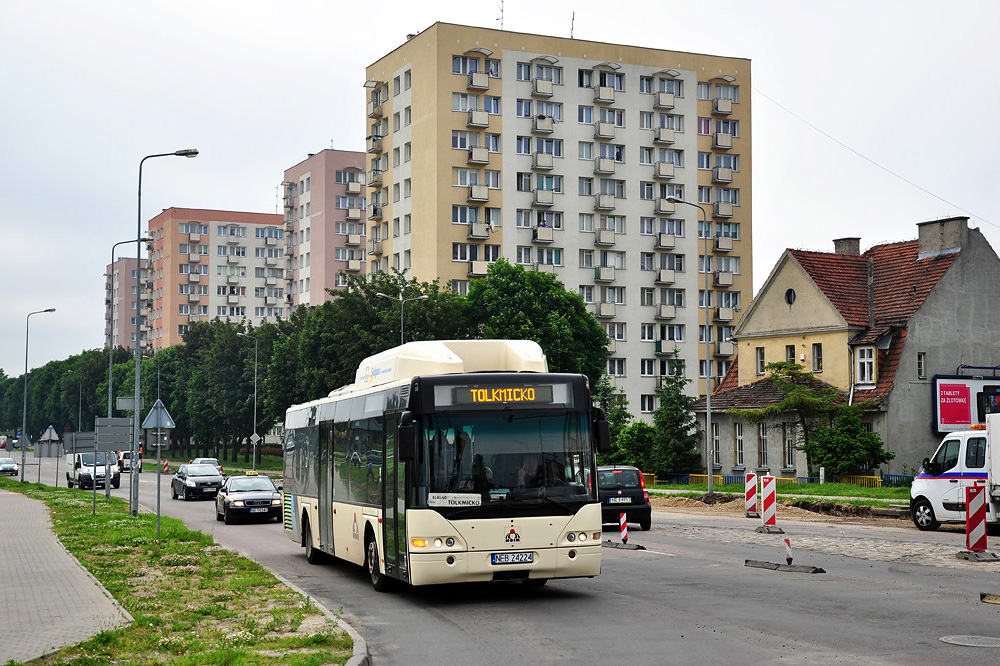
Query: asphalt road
point(688, 598)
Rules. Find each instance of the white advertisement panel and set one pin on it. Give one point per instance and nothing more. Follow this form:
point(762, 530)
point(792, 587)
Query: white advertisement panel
point(961, 401)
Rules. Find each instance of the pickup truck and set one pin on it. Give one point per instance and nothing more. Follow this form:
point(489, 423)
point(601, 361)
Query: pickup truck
point(82, 472)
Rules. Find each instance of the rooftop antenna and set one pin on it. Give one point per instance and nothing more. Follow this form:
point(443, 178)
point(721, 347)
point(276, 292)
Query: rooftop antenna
point(501, 15)
point(572, 22)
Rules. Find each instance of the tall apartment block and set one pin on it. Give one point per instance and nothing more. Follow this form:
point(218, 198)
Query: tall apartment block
point(564, 156)
point(214, 263)
point(325, 224)
point(121, 306)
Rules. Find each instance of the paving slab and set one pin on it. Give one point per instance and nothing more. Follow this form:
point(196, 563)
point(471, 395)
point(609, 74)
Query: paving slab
point(48, 600)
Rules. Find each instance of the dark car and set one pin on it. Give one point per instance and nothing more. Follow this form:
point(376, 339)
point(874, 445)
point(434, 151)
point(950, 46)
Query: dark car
point(8, 467)
point(622, 489)
point(195, 481)
point(250, 495)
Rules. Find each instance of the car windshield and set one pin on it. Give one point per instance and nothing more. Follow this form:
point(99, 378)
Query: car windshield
point(202, 470)
point(618, 479)
point(250, 483)
point(7, 461)
point(88, 458)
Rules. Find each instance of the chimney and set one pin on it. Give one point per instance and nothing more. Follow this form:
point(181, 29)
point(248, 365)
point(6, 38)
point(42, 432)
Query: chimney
point(942, 236)
point(847, 246)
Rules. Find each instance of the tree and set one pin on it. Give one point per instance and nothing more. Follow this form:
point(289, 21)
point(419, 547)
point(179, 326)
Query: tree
point(512, 303)
point(811, 401)
point(615, 406)
point(846, 447)
point(676, 447)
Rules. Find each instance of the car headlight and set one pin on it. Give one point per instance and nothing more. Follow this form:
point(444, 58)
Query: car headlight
point(237, 502)
point(276, 502)
point(189, 483)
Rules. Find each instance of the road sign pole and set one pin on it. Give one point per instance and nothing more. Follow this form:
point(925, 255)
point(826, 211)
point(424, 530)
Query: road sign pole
point(157, 480)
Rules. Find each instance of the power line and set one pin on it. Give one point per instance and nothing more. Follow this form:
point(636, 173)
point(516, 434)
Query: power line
point(871, 161)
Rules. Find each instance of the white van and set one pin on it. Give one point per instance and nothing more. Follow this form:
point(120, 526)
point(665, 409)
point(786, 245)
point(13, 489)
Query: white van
point(962, 459)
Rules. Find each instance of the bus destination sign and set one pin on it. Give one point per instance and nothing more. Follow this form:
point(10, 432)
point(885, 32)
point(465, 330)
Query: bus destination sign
point(498, 396)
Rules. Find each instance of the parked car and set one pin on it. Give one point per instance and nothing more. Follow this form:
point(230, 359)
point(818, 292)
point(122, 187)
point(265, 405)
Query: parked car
point(195, 481)
point(207, 461)
point(622, 489)
point(8, 467)
point(249, 495)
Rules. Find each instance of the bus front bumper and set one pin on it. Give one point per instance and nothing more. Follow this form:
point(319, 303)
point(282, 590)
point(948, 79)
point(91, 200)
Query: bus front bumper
point(470, 567)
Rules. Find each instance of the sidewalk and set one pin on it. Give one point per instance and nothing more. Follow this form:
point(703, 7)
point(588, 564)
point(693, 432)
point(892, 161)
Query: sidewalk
point(47, 599)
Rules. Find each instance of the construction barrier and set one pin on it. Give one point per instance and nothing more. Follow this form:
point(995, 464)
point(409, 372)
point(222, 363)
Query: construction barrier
point(624, 526)
point(751, 494)
point(768, 504)
point(975, 518)
point(166, 464)
point(788, 551)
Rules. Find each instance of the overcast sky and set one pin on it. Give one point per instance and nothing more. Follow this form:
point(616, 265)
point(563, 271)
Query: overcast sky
point(89, 88)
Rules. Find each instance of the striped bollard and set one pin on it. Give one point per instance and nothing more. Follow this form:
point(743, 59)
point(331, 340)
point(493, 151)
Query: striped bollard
point(751, 495)
point(166, 464)
point(624, 526)
point(975, 518)
point(768, 506)
point(788, 551)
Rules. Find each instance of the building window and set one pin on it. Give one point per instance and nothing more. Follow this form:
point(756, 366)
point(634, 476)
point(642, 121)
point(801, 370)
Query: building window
point(647, 403)
point(817, 357)
point(788, 448)
point(616, 367)
point(759, 352)
point(921, 365)
point(738, 444)
point(716, 452)
point(864, 368)
point(761, 445)
point(790, 353)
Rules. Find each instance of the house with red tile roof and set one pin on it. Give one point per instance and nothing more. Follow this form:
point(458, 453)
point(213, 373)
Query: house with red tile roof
point(877, 325)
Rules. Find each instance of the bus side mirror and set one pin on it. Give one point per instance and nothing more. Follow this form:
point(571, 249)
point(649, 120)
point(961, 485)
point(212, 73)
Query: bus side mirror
point(406, 446)
point(601, 431)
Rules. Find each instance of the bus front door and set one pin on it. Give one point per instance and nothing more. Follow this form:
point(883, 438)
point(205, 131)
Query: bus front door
point(394, 522)
point(326, 486)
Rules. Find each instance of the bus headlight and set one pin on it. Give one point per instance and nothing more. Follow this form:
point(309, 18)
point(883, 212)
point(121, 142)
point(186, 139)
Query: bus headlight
point(438, 542)
point(583, 536)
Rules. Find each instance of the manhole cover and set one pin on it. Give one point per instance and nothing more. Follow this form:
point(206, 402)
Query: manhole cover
point(972, 641)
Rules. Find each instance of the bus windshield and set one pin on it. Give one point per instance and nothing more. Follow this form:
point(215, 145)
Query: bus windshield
point(505, 458)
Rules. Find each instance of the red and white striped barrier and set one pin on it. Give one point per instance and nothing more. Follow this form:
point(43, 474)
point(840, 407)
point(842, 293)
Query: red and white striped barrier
point(165, 465)
point(751, 495)
point(788, 551)
point(624, 526)
point(767, 490)
point(975, 518)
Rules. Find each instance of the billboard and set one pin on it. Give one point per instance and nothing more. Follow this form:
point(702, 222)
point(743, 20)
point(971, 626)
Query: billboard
point(961, 401)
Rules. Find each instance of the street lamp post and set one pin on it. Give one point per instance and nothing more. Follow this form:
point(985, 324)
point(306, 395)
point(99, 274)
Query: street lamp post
point(709, 452)
point(253, 439)
point(401, 302)
point(111, 344)
point(79, 421)
point(134, 484)
point(24, 414)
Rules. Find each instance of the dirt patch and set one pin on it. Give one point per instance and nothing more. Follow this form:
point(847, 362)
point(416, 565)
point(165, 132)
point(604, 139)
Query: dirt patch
point(734, 504)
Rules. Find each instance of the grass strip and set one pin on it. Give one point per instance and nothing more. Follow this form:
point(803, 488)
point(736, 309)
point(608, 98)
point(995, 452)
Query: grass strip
point(194, 602)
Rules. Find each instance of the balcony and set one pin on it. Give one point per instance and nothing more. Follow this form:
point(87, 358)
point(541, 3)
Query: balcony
point(664, 206)
point(192, 318)
point(604, 237)
point(233, 240)
point(271, 261)
point(722, 209)
point(271, 242)
point(723, 243)
point(541, 88)
point(270, 300)
point(663, 170)
point(666, 241)
point(542, 125)
point(545, 268)
point(542, 235)
point(722, 107)
point(725, 349)
point(604, 274)
point(663, 100)
point(604, 131)
point(723, 279)
point(725, 314)
point(664, 135)
point(478, 119)
point(541, 161)
point(374, 109)
point(721, 140)
point(543, 198)
point(232, 259)
point(289, 226)
point(289, 201)
point(289, 250)
point(374, 144)
point(478, 81)
point(478, 155)
point(193, 278)
point(194, 238)
point(353, 214)
point(604, 165)
point(375, 212)
point(354, 239)
point(478, 193)
point(353, 266)
point(479, 230)
point(375, 247)
point(604, 95)
point(194, 298)
point(478, 268)
point(604, 202)
point(665, 276)
point(354, 187)
point(722, 175)
point(194, 258)
point(664, 311)
point(271, 281)
point(232, 279)
point(374, 178)
point(605, 310)
point(232, 299)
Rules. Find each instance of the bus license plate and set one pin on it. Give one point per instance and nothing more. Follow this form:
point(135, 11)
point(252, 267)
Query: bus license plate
point(619, 500)
point(513, 558)
point(262, 509)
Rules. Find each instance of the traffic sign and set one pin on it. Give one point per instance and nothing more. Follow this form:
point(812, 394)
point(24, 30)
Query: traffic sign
point(254, 439)
point(127, 403)
point(158, 417)
point(113, 434)
point(49, 435)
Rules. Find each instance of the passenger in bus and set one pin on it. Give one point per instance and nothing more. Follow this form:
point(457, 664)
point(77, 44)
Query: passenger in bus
point(529, 474)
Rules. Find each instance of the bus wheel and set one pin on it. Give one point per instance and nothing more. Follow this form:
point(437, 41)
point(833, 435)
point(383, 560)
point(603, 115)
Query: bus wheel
point(378, 578)
point(313, 555)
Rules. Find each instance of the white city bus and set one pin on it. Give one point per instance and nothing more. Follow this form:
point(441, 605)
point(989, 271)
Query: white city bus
point(449, 461)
